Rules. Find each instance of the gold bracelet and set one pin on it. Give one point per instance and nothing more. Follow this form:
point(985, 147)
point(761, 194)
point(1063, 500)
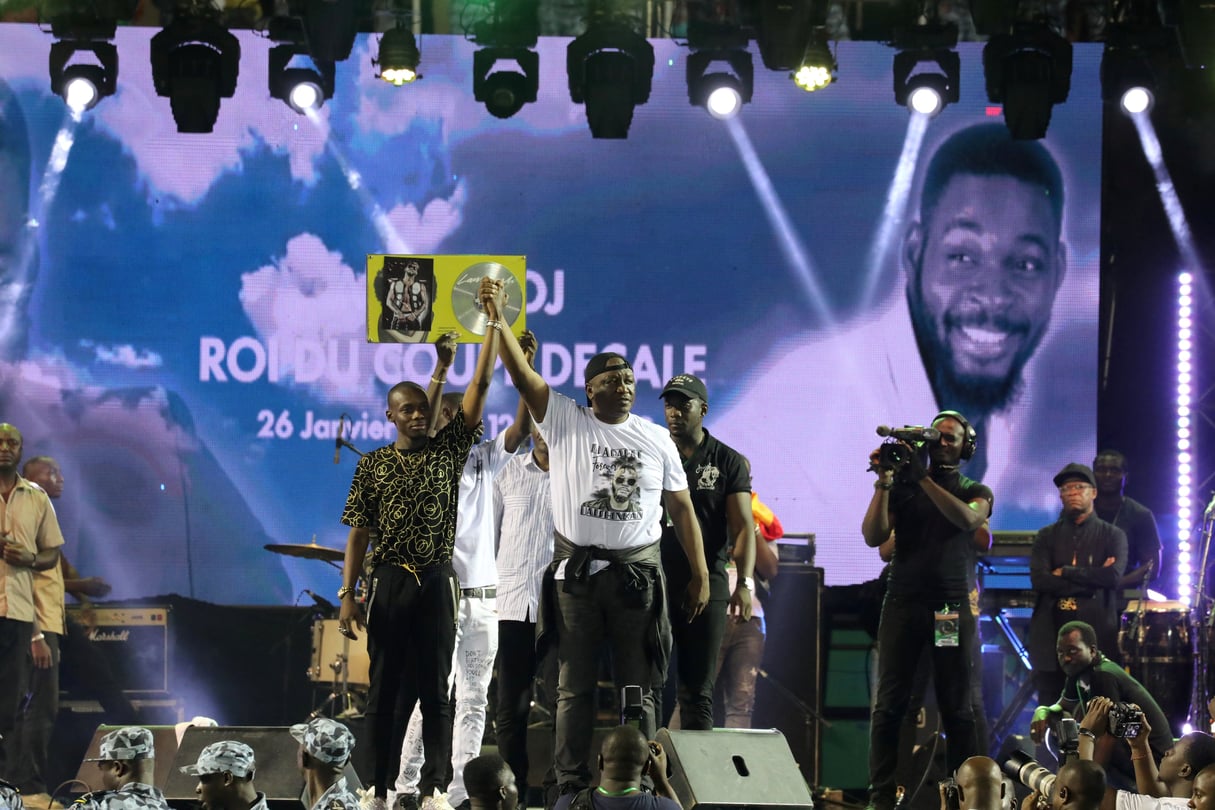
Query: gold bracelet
point(435, 379)
point(344, 591)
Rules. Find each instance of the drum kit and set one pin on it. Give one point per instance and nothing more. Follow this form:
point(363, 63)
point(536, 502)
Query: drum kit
point(338, 662)
point(1167, 646)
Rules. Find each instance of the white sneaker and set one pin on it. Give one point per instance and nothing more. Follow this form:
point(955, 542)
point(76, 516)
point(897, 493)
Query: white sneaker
point(369, 801)
point(437, 801)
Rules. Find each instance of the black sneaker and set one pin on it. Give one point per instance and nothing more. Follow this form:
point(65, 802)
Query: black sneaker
point(464, 805)
point(406, 801)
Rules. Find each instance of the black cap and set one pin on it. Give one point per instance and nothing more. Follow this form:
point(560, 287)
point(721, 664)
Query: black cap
point(604, 361)
point(1074, 472)
point(690, 386)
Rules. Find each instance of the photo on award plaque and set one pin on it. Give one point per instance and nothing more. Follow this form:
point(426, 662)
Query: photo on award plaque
point(416, 299)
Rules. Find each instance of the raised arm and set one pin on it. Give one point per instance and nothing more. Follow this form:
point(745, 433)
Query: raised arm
point(445, 355)
point(521, 428)
point(474, 396)
point(876, 526)
point(530, 384)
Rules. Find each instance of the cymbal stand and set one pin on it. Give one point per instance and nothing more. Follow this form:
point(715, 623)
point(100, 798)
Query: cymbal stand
point(340, 695)
point(1200, 619)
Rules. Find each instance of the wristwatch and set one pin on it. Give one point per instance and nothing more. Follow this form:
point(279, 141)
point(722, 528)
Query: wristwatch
point(747, 582)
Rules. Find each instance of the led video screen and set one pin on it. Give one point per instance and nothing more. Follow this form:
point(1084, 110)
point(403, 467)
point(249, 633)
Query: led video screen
point(185, 314)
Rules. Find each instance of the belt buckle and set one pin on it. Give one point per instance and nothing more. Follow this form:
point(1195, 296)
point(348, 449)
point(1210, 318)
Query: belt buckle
point(1068, 603)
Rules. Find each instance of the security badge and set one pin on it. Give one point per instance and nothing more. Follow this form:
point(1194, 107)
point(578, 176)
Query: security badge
point(945, 627)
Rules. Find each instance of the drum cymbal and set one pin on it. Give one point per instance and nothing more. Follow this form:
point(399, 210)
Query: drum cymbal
point(309, 551)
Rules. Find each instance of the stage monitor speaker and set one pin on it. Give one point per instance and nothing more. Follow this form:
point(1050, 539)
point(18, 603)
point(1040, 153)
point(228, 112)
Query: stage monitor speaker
point(164, 742)
point(274, 750)
point(725, 769)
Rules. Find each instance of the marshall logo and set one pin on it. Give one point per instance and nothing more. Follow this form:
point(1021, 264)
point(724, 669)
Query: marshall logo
point(98, 634)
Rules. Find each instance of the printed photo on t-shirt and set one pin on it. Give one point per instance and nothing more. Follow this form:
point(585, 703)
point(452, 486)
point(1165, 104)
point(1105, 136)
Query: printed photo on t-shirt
point(618, 496)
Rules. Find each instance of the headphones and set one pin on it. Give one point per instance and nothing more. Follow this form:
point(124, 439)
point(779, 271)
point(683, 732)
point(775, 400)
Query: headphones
point(970, 439)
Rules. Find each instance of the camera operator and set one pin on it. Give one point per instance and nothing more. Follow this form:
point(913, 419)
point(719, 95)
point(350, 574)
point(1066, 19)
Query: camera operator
point(1091, 675)
point(936, 512)
point(1079, 786)
point(1169, 786)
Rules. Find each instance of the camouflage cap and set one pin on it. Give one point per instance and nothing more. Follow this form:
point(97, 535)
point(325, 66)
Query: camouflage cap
point(128, 797)
point(124, 745)
point(325, 739)
point(228, 756)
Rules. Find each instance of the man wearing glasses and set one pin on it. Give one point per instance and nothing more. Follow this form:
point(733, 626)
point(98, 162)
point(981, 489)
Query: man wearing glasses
point(1075, 567)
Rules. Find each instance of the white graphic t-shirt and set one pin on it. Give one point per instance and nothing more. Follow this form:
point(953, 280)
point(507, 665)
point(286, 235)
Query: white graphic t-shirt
point(607, 480)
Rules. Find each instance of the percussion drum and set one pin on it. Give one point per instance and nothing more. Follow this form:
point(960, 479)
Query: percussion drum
point(331, 650)
point(1156, 649)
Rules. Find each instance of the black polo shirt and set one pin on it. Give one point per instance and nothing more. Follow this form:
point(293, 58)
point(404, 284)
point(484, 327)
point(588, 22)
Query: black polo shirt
point(714, 472)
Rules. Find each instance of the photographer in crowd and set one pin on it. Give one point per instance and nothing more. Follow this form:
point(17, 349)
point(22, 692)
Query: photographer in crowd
point(1167, 787)
point(980, 785)
point(936, 511)
point(1080, 785)
point(1091, 675)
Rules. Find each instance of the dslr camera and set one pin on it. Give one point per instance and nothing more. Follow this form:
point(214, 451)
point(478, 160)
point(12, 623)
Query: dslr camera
point(949, 790)
point(632, 707)
point(1033, 775)
point(1126, 720)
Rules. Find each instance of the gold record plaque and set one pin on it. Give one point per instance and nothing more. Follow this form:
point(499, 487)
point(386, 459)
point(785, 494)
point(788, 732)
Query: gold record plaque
point(464, 301)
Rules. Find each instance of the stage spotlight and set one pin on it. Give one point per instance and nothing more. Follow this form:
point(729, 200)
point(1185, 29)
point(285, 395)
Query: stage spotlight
point(399, 56)
point(195, 63)
point(610, 69)
point(82, 85)
point(506, 72)
point(1128, 75)
point(926, 68)
point(1028, 71)
point(82, 29)
point(720, 92)
point(300, 88)
point(783, 29)
point(1137, 100)
point(818, 67)
point(504, 92)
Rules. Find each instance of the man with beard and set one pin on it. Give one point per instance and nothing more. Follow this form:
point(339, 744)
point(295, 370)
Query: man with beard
point(936, 512)
point(983, 262)
point(720, 484)
point(1075, 566)
point(1111, 505)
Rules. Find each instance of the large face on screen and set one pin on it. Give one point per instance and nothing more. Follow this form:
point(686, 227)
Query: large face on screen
point(983, 273)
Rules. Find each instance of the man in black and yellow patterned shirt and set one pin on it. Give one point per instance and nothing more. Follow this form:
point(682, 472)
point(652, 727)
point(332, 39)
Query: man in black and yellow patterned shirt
point(407, 492)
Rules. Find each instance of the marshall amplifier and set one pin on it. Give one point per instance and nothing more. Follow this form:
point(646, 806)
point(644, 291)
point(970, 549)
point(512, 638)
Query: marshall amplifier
point(133, 642)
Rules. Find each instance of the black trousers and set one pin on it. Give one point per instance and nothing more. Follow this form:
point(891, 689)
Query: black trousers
point(519, 670)
point(15, 665)
point(906, 631)
point(411, 621)
point(697, 647)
